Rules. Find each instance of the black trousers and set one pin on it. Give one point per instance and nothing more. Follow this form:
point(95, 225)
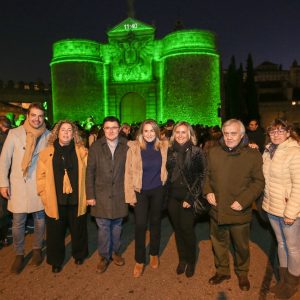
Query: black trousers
point(4, 218)
point(149, 205)
point(56, 232)
point(183, 222)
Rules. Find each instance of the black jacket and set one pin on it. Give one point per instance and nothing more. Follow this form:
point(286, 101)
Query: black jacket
point(193, 170)
point(3, 136)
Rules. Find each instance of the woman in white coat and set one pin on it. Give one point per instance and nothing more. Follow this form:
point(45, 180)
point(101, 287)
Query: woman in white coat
point(282, 202)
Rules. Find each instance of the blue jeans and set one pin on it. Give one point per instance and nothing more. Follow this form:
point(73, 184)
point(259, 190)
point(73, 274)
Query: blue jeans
point(109, 236)
point(18, 230)
point(288, 239)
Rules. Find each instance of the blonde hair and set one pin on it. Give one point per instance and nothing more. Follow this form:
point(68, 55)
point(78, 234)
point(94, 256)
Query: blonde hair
point(191, 132)
point(141, 139)
point(54, 133)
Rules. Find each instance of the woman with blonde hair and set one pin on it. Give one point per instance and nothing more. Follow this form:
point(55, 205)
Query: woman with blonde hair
point(145, 175)
point(282, 202)
point(61, 184)
point(185, 166)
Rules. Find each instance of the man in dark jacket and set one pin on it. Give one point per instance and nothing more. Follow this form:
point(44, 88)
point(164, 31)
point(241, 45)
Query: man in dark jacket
point(105, 191)
point(256, 135)
point(5, 125)
point(234, 180)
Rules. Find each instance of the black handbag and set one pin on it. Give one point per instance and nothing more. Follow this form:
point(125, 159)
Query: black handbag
point(200, 205)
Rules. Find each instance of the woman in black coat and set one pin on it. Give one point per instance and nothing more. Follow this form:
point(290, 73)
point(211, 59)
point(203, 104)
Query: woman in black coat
point(185, 166)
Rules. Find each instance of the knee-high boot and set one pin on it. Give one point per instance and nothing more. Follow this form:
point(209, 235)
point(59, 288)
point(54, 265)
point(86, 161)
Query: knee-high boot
point(277, 287)
point(289, 287)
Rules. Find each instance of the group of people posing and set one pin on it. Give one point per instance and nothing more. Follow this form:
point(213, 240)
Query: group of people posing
point(54, 177)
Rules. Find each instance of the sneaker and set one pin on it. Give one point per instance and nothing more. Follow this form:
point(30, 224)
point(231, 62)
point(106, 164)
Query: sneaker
point(102, 264)
point(37, 257)
point(17, 265)
point(118, 259)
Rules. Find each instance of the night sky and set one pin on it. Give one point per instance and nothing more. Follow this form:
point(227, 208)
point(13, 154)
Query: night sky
point(269, 29)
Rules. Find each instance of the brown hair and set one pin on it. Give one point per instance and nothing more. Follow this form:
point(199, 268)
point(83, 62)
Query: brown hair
point(279, 123)
point(36, 105)
point(140, 137)
point(54, 133)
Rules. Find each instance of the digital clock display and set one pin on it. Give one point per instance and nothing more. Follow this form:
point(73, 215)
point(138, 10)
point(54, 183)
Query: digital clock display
point(130, 26)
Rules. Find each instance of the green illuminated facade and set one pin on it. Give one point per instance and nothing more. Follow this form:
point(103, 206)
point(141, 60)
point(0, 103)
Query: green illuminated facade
point(135, 77)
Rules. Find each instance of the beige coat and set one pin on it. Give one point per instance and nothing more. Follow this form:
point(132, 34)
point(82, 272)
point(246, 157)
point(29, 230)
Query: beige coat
point(23, 191)
point(282, 175)
point(46, 182)
point(134, 169)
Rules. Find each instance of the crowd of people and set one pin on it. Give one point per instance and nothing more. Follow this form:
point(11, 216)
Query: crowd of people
point(56, 175)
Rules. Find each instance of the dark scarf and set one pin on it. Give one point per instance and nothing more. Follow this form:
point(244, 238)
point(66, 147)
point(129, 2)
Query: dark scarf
point(65, 158)
point(271, 149)
point(243, 143)
point(180, 152)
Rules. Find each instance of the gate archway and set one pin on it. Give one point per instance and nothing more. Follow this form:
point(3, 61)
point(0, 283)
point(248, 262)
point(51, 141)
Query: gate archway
point(132, 108)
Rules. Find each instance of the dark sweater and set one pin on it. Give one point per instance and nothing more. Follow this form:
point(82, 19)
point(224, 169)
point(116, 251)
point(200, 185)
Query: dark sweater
point(65, 158)
point(151, 161)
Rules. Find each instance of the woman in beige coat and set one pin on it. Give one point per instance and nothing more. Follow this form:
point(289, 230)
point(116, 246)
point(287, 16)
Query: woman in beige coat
point(145, 175)
point(282, 202)
point(61, 184)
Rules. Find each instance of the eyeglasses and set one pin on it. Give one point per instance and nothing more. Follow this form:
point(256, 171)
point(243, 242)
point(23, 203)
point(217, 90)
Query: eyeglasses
point(111, 128)
point(278, 132)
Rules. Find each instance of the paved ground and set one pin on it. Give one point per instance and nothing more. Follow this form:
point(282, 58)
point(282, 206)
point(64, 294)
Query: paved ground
point(82, 282)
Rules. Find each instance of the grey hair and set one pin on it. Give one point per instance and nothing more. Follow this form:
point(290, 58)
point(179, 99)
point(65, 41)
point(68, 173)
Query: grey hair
point(234, 121)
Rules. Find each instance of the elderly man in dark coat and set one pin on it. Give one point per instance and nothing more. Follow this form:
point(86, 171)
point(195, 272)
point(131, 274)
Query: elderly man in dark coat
point(105, 191)
point(234, 180)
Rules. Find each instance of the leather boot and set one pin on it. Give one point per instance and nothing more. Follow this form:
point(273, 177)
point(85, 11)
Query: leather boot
point(138, 270)
point(181, 267)
point(244, 283)
point(17, 265)
point(154, 261)
point(289, 287)
point(102, 264)
point(37, 257)
point(190, 270)
point(118, 259)
point(274, 289)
